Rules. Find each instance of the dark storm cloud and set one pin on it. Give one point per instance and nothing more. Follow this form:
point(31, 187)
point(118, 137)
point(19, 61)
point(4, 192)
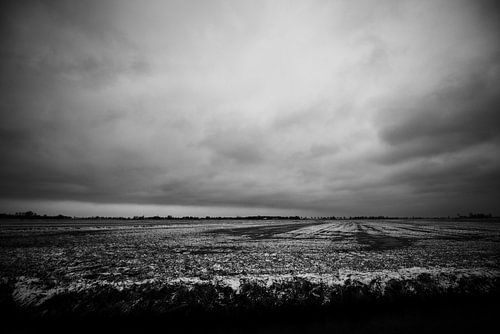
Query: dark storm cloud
point(322, 107)
point(460, 177)
point(447, 142)
point(464, 113)
point(49, 48)
point(46, 43)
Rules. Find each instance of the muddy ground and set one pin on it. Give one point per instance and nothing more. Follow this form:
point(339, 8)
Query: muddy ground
point(61, 269)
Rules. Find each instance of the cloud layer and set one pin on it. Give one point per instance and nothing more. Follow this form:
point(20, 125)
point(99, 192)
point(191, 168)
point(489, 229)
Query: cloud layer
point(317, 107)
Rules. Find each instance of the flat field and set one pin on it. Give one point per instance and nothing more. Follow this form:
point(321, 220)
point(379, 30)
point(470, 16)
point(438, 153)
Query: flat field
point(122, 267)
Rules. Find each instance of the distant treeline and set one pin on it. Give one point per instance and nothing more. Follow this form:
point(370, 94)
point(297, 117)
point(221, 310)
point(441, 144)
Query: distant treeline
point(476, 215)
point(33, 215)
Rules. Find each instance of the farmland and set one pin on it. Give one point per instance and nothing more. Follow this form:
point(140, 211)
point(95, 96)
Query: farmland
point(54, 267)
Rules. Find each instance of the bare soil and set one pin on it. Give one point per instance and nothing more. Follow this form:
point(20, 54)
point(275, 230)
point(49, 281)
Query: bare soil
point(53, 269)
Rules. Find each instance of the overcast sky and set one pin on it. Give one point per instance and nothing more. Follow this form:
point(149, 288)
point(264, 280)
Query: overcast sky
point(247, 107)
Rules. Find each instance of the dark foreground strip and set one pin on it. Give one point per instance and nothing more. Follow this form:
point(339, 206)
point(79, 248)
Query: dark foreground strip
point(354, 301)
point(437, 315)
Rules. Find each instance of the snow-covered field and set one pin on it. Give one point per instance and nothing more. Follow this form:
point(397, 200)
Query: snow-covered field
point(156, 266)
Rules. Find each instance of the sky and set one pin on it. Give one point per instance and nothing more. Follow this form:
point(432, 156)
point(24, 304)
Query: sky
point(250, 107)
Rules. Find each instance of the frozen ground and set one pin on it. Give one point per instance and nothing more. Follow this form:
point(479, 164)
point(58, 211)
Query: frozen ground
point(122, 267)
